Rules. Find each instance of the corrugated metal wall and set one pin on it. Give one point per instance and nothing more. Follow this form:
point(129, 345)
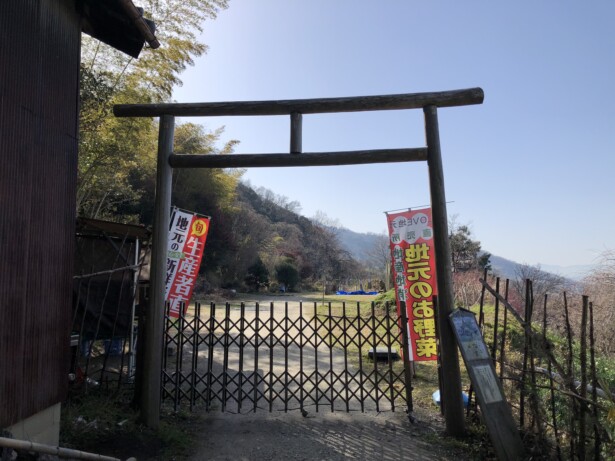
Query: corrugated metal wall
point(39, 65)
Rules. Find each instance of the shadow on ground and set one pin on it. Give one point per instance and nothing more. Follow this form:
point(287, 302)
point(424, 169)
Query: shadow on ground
point(319, 436)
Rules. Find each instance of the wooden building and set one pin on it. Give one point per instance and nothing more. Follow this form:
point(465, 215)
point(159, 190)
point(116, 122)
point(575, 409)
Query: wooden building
point(39, 99)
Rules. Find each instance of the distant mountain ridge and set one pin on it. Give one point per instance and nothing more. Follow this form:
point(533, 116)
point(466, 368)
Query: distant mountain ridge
point(507, 268)
point(576, 272)
point(358, 244)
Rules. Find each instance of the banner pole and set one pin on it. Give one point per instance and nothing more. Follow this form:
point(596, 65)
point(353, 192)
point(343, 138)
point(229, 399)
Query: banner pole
point(154, 317)
point(451, 397)
point(405, 341)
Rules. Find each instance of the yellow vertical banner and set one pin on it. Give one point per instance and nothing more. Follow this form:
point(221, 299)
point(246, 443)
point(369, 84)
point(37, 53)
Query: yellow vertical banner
point(414, 271)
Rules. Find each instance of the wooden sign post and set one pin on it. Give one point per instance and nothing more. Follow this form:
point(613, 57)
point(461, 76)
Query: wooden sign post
point(495, 410)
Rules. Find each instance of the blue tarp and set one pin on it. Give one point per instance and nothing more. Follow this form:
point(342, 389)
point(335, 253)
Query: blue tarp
point(436, 398)
point(359, 292)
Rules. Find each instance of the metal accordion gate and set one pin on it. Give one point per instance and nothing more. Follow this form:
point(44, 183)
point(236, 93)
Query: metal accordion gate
point(295, 356)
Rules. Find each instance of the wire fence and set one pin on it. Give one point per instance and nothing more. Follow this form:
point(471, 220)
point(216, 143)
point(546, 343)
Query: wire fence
point(107, 298)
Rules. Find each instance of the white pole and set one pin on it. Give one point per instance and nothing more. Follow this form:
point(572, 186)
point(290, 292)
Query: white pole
point(131, 353)
point(55, 451)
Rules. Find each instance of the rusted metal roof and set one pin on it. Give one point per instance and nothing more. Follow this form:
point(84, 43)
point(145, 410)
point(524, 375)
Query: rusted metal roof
point(118, 23)
point(88, 225)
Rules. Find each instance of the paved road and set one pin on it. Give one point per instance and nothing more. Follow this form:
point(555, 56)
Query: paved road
point(323, 436)
point(320, 436)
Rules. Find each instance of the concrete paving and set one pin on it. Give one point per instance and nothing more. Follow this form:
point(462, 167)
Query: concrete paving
point(320, 436)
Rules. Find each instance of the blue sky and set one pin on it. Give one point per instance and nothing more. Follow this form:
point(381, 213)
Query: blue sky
point(532, 169)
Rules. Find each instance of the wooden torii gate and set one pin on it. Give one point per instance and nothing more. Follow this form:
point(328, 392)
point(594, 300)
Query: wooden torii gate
point(167, 160)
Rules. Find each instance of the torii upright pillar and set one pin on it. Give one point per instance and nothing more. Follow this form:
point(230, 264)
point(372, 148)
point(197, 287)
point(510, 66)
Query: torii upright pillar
point(452, 400)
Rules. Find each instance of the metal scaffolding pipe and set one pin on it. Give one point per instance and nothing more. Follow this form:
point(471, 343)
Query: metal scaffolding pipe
point(25, 445)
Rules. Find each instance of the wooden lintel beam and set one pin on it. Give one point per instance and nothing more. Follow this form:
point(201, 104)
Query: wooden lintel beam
point(291, 160)
point(305, 106)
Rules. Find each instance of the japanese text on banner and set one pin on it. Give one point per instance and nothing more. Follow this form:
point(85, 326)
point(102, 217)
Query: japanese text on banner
point(413, 260)
point(187, 237)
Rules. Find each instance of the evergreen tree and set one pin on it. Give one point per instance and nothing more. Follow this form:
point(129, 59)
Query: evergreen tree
point(286, 272)
point(466, 253)
point(258, 276)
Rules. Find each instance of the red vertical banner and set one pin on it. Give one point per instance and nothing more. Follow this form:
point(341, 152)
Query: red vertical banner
point(187, 236)
point(414, 270)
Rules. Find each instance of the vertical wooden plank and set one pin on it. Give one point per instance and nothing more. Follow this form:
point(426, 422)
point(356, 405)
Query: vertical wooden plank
point(558, 448)
point(451, 375)
point(595, 410)
point(296, 122)
point(496, 320)
point(481, 316)
point(526, 345)
point(583, 388)
point(504, 326)
point(570, 381)
point(537, 423)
